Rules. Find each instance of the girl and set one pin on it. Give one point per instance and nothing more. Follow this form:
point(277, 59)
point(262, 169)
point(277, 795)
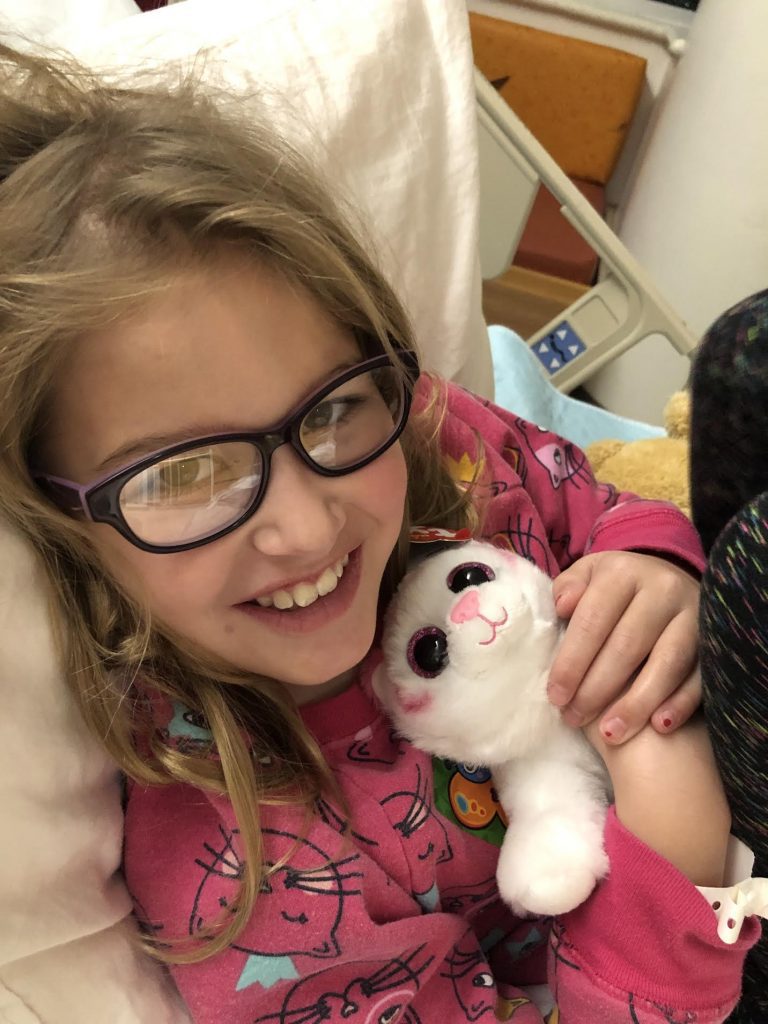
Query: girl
point(215, 433)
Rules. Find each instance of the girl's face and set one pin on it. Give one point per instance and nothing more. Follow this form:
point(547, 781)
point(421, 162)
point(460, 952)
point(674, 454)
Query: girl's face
point(236, 348)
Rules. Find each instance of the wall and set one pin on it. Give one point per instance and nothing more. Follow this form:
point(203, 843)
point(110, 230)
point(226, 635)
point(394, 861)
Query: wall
point(676, 18)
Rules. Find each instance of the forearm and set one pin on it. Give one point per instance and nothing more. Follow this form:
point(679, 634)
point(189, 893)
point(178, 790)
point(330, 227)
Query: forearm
point(668, 793)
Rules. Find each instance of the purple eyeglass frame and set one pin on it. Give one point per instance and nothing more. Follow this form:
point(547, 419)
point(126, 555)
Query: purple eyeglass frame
point(99, 499)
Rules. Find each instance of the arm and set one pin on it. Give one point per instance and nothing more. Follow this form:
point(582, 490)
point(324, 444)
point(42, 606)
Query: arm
point(628, 581)
point(646, 939)
point(574, 512)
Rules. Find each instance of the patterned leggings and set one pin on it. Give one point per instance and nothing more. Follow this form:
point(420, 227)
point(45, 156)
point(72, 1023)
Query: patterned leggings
point(734, 661)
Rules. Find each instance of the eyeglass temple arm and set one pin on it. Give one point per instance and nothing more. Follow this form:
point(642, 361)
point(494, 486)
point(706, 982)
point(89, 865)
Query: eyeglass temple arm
point(65, 494)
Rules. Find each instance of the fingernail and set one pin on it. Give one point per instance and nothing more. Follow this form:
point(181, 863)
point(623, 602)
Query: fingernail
point(573, 717)
point(614, 729)
point(558, 695)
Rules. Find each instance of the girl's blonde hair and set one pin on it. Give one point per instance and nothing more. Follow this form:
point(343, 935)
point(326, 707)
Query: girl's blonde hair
point(105, 193)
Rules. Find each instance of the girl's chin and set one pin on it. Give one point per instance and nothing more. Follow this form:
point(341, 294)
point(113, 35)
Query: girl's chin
point(308, 693)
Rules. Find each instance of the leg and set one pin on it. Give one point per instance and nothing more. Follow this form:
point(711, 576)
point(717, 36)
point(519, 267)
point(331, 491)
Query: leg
point(734, 661)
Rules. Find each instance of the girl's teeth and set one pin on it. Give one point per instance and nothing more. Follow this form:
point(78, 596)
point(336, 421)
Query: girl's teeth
point(327, 582)
point(304, 594)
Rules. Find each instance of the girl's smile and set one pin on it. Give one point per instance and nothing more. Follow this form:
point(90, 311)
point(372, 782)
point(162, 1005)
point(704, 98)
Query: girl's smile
point(318, 610)
point(231, 348)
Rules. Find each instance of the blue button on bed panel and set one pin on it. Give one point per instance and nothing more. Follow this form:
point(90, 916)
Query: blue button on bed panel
point(559, 347)
point(548, 355)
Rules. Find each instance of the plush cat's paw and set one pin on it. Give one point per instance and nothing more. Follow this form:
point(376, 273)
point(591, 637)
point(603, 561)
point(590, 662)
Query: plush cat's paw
point(551, 865)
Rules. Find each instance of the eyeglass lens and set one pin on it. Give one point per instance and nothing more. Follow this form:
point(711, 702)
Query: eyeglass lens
point(199, 492)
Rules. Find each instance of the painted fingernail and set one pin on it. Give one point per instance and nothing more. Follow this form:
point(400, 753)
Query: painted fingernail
point(614, 729)
point(558, 695)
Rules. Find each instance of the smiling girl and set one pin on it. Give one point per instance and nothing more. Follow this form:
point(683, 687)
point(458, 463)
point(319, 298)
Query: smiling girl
point(214, 431)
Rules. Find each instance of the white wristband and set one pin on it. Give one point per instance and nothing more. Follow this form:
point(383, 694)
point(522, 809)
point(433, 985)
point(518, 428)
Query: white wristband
point(737, 900)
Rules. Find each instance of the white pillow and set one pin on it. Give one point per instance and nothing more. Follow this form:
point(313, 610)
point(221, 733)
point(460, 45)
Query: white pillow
point(382, 94)
point(40, 21)
point(66, 956)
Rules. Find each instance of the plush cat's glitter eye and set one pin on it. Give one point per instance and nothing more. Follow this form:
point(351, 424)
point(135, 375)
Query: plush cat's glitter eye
point(428, 652)
point(470, 574)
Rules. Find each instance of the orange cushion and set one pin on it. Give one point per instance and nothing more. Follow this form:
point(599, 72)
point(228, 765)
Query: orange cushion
point(550, 245)
point(576, 97)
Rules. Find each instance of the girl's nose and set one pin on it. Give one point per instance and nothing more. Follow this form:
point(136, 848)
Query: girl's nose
point(299, 515)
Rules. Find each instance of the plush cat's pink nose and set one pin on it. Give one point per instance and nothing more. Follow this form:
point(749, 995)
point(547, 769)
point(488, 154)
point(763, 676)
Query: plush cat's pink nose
point(467, 608)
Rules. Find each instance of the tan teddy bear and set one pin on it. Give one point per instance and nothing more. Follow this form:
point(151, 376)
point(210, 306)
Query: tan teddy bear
point(652, 468)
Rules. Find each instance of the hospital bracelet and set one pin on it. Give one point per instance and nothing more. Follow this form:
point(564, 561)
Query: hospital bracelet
point(733, 902)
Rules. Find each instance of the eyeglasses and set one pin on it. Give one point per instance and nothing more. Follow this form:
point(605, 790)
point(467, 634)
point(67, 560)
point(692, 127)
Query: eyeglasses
point(196, 491)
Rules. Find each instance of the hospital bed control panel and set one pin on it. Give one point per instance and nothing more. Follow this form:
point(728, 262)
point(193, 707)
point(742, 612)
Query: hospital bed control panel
point(622, 308)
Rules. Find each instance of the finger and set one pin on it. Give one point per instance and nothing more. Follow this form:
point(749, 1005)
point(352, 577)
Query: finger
point(569, 587)
point(683, 703)
point(642, 631)
point(669, 671)
point(593, 621)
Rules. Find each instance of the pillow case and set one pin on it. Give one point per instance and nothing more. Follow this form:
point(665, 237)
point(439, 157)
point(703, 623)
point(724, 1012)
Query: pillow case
point(381, 94)
point(43, 23)
point(66, 951)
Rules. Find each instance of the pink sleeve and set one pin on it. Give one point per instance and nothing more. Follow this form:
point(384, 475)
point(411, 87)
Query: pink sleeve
point(578, 514)
point(644, 946)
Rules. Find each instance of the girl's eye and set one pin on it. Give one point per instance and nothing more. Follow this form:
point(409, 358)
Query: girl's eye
point(179, 474)
point(330, 413)
point(428, 652)
point(471, 574)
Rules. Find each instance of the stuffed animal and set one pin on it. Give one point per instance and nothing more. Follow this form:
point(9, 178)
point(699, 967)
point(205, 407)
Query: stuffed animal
point(468, 642)
point(653, 467)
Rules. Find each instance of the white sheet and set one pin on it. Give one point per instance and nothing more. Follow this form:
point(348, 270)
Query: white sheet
point(56, 22)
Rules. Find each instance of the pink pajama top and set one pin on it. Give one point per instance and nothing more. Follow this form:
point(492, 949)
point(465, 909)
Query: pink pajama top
point(393, 915)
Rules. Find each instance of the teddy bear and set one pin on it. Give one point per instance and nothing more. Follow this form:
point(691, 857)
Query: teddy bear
point(653, 467)
point(468, 641)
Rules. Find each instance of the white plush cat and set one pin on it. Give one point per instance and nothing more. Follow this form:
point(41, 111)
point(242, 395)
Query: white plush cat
point(468, 642)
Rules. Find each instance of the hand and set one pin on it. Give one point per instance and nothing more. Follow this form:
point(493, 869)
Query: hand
point(629, 654)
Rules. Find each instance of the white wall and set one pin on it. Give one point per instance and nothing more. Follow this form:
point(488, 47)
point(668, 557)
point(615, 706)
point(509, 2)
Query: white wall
point(697, 216)
point(677, 18)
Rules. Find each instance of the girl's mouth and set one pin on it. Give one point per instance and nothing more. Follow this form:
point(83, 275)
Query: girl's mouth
point(305, 593)
point(311, 603)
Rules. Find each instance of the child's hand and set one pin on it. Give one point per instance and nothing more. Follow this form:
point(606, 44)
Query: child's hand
point(629, 613)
